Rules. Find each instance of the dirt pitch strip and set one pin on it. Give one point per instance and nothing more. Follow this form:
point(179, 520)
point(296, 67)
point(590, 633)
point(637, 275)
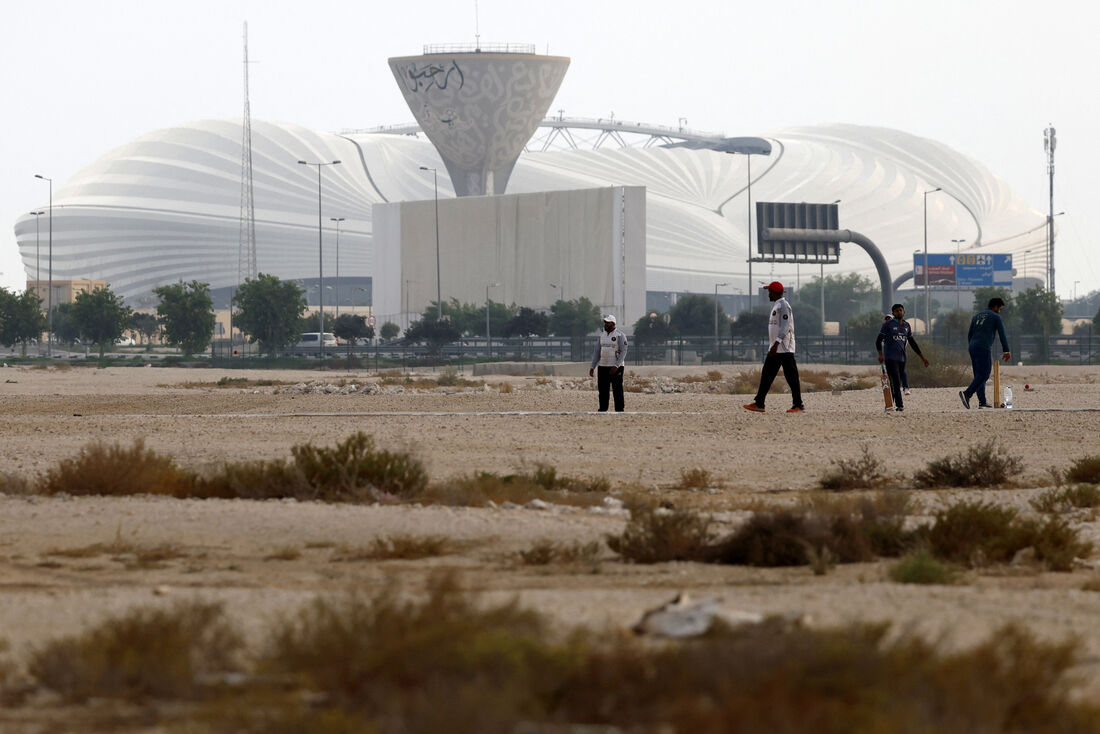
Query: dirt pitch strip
point(240, 551)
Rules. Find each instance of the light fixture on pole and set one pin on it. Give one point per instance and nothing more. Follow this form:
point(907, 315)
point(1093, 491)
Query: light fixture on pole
point(320, 254)
point(561, 291)
point(927, 310)
point(716, 342)
point(49, 293)
point(488, 334)
point(438, 281)
point(957, 243)
point(337, 220)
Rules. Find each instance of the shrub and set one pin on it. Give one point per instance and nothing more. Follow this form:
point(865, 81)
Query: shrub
point(100, 469)
point(946, 368)
point(1057, 543)
point(545, 552)
point(981, 465)
point(352, 471)
point(543, 484)
point(695, 479)
point(654, 536)
point(146, 653)
point(407, 547)
point(1086, 469)
point(976, 533)
point(14, 484)
point(861, 473)
point(1067, 499)
point(921, 567)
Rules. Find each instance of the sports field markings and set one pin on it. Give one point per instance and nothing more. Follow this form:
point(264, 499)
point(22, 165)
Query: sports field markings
point(411, 413)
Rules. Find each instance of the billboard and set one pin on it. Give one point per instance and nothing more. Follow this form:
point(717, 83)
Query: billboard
point(965, 270)
point(787, 215)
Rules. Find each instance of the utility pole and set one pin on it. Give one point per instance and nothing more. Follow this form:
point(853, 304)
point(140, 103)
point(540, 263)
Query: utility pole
point(1049, 141)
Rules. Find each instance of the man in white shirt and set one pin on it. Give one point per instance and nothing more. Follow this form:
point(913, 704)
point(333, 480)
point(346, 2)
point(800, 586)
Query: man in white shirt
point(780, 353)
point(608, 359)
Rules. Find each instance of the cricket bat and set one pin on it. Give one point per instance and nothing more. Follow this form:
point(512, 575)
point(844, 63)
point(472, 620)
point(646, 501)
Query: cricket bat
point(997, 402)
point(886, 395)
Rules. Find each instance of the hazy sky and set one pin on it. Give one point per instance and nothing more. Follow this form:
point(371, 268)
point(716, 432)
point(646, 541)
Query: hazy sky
point(81, 77)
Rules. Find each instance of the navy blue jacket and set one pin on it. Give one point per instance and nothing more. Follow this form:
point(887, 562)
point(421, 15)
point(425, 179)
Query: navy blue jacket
point(983, 327)
point(892, 339)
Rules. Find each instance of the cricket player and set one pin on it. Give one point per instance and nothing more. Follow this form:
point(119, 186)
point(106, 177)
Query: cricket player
point(608, 359)
point(983, 327)
point(780, 353)
point(891, 341)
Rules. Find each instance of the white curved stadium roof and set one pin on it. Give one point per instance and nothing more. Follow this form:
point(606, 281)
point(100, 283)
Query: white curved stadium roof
point(166, 207)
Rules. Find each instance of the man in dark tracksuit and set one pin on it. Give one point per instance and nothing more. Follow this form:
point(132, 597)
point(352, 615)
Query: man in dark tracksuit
point(891, 341)
point(983, 327)
point(608, 359)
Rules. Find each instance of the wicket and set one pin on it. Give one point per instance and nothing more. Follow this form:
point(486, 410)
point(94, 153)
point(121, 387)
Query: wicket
point(997, 402)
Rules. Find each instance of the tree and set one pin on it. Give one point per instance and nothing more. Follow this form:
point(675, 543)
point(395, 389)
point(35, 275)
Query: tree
point(186, 312)
point(351, 328)
point(268, 310)
point(952, 327)
point(693, 315)
point(575, 319)
point(863, 329)
point(145, 324)
point(527, 323)
point(101, 317)
point(434, 333)
point(21, 318)
point(845, 296)
point(1096, 320)
point(64, 328)
point(1040, 311)
point(754, 324)
point(653, 329)
point(309, 322)
point(389, 330)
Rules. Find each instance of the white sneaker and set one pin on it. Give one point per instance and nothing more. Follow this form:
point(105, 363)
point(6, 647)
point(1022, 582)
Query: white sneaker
point(908, 393)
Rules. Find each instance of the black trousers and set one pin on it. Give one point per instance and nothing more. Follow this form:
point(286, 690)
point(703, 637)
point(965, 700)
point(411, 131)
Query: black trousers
point(610, 383)
point(895, 370)
point(772, 363)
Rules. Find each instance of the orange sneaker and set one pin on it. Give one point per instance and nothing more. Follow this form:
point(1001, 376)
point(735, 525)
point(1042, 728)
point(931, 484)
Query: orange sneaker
point(796, 410)
point(753, 408)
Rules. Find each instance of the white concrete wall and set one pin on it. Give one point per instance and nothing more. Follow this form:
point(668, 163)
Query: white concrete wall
point(590, 242)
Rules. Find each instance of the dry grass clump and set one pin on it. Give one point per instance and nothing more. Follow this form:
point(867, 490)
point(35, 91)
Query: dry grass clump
point(862, 473)
point(395, 547)
point(286, 553)
point(696, 479)
point(354, 471)
point(980, 533)
point(946, 368)
point(542, 483)
point(1067, 499)
point(146, 653)
point(545, 552)
point(981, 465)
point(921, 567)
point(14, 484)
point(100, 469)
point(446, 663)
point(655, 535)
point(449, 377)
point(1086, 469)
point(506, 388)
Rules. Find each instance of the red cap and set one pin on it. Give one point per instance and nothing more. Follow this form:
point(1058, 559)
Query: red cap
point(775, 285)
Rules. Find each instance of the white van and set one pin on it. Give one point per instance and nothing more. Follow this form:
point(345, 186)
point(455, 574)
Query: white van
point(311, 339)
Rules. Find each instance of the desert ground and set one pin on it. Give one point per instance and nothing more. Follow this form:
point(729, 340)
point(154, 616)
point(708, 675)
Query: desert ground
point(265, 558)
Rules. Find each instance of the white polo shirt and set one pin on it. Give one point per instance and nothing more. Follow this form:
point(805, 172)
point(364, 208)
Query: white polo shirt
point(781, 326)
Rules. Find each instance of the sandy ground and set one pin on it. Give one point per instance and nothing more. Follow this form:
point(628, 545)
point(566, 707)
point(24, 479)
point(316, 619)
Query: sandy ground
point(226, 548)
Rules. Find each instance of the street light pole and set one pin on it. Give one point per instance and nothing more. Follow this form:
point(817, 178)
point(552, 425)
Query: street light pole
point(337, 220)
point(927, 318)
point(748, 219)
point(716, 347)
point(49, 293)
point(1049, 142)
point(320, 254)
point(488, 334)
point(37, 255)
point(438, 281)
point(957, 302)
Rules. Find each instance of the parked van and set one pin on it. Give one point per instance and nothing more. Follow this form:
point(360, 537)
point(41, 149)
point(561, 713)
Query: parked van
point(311, 339)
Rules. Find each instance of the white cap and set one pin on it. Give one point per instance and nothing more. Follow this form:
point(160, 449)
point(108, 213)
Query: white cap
point(611, 318)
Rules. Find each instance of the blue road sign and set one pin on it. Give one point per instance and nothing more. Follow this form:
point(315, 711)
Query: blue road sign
point(967, 270)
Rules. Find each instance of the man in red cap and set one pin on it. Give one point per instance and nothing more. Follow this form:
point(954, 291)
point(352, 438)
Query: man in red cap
point(780, 353)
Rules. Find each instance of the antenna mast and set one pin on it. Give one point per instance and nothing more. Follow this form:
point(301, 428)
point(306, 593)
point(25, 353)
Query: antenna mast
point(246, 254)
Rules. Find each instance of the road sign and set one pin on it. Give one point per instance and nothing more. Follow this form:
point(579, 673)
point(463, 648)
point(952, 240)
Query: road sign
point(371, 321)
point(788, 215)
point(967, 270)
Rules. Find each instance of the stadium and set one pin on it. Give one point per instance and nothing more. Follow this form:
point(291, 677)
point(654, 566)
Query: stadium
point(167, 206)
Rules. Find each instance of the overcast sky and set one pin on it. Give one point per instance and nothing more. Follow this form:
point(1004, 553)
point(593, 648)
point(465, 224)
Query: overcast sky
point(81, 77)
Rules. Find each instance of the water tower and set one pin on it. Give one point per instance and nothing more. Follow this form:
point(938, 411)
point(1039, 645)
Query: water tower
point(479, 105)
